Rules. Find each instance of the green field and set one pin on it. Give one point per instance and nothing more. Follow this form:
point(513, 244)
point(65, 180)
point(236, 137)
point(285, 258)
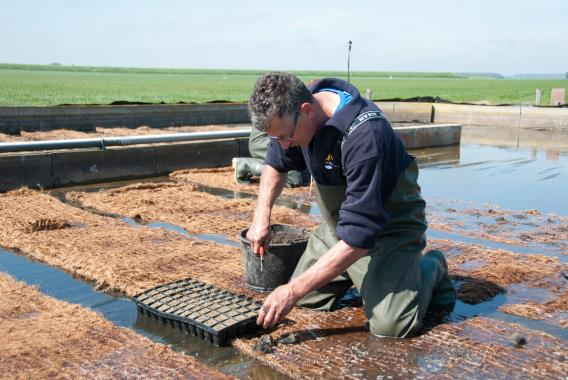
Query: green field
point(26, 85)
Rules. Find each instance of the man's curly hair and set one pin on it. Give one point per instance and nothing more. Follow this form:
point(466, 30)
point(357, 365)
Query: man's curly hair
point(276, 94)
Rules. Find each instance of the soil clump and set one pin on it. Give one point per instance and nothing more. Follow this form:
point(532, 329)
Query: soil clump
point(43, 337)
point(474, 291)
point(264, 344)
point(46, 225)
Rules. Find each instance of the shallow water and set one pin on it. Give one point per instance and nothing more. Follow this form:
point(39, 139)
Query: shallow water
point(513, 178)
point(512, 170)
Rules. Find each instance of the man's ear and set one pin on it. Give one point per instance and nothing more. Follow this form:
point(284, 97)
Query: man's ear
point(307, 109)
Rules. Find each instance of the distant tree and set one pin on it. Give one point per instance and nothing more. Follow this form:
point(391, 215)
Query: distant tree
point(566, 75)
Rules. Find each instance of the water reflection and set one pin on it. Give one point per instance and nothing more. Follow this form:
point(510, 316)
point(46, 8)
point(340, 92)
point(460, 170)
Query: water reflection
point(550, 139)
point(505, 176)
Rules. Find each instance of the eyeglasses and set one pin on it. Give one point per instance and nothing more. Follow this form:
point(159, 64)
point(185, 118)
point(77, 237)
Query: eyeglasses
point(291, 135)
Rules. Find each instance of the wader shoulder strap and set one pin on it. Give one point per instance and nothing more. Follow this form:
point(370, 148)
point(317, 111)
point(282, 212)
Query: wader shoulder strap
point(359, 120)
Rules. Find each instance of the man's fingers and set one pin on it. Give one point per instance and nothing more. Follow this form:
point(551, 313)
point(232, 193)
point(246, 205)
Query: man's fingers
point(269, 319)
point(277, 317)
point(261, 316)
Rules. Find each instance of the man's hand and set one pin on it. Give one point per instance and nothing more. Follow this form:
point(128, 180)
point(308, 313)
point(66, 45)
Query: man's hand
point(276, 306)
point(259, 236)
point(271, 184)
point(334, 262)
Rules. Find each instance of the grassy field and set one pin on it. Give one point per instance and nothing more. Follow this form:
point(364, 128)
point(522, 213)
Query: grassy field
point(25, 85)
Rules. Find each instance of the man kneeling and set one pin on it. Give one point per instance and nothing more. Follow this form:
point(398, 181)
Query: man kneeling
point(373, 229)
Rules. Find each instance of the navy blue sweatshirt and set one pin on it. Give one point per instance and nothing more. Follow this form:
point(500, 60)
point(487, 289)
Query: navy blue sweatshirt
point(369, 163)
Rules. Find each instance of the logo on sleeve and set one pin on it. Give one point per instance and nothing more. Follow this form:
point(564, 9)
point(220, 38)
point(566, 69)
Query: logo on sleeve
point(328, 162)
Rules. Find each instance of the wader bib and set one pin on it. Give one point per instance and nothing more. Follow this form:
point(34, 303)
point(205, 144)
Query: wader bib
point(395, 281)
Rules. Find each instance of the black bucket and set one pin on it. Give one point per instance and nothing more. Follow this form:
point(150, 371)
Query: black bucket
point(279, 262)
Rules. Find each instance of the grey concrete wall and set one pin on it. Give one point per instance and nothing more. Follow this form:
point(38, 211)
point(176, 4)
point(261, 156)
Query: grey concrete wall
point(87, 118)
point(429, 136)
point(32, 170)
point(506, 116)
point(544, 117)
point(83, 166)
point(403, 112)
point(541, 138)
point(73, 167)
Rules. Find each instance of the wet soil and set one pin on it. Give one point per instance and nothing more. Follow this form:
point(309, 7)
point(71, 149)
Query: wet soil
point(287, 238)
point(183, 205)
point(43, 338)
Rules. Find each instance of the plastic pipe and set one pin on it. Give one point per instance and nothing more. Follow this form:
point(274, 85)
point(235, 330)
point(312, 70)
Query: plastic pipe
point(103, 142)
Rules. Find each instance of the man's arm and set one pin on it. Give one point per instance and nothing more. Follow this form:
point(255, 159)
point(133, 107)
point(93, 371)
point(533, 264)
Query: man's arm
point(334, 262)
point(271, 185)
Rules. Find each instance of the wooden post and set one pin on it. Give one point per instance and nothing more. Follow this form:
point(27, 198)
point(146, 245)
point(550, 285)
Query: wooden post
point(557, 96)
point(538, 97)
point(370, 94)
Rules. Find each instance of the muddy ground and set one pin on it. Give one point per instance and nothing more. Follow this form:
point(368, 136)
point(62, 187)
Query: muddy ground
point(46, 338)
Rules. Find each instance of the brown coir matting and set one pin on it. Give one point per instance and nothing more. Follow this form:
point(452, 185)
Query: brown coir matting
point(46, 338)
point(183, 205)
point(131, 259)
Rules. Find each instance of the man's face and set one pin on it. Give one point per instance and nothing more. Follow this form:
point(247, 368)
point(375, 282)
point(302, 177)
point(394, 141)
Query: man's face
point(288, 131)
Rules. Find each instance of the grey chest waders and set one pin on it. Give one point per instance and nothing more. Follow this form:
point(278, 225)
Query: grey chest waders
point(395, 281)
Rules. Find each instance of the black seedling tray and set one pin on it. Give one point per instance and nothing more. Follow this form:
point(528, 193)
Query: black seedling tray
point(203, 310)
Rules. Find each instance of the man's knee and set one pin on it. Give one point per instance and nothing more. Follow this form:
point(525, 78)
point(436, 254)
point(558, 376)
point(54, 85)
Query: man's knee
point(393, 328)
point(394, 324)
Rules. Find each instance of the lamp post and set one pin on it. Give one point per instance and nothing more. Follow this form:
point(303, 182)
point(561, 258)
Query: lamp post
point(348, 61)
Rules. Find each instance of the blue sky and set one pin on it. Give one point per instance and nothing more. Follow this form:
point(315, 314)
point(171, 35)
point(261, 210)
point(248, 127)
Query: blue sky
point(459, 36)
